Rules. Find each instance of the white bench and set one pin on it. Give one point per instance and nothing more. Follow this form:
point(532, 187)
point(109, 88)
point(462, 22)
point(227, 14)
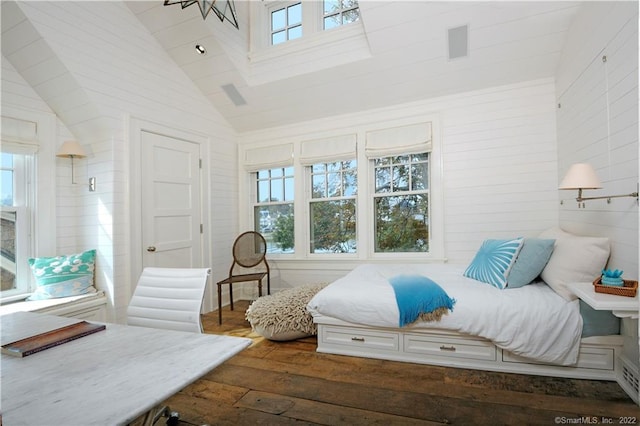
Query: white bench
point(91, 306)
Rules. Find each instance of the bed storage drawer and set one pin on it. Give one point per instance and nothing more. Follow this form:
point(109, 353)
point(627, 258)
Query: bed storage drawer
point(361, 338)
point(449, 347)
point(589, 357)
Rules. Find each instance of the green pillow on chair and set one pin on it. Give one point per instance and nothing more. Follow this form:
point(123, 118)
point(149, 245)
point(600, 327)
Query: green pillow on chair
point(63, 276)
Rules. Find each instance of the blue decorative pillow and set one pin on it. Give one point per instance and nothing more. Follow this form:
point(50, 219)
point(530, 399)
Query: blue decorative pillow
point(531, 260)
point(493, 261)
point(63, 276)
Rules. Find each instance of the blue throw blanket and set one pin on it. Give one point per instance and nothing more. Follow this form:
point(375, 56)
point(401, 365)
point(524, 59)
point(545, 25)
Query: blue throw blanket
point(418, 296)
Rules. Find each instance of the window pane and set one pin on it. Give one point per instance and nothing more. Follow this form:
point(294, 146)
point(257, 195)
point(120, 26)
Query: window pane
point(331, 6)
point(333, 227)
point(334, 184)
point(295, 32)
point(8, 270)
point(318, 189)
point(332, 21)
point(402, 223)
point(350, 16)
point(278, 19)
point(279, 37)
point(6, 198)
point(263, 191)
point(400, 178)
point(288, 189)
point(263, 174)
point(294, 14)
point(275, 223)
point(276, 173)
point(383, 179)
point(419, 176)
point(277, 190)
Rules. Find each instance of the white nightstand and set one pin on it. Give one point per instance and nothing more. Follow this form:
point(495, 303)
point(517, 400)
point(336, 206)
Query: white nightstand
point(620, 306)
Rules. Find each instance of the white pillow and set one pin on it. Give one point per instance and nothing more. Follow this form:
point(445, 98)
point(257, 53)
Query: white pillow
point(574, 259)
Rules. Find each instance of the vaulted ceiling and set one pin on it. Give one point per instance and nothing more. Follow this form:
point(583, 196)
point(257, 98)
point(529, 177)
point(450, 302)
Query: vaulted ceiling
point(406, 56)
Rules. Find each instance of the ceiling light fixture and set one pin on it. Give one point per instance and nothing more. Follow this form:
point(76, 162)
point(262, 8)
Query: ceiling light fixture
point(201, 49)
point(228, 12)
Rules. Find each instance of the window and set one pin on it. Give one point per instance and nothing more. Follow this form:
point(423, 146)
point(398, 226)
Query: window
point(332, 208)
point(15, 224)
point(286, 23)
point(273, 210)
point(401, 203)
point(339, 12)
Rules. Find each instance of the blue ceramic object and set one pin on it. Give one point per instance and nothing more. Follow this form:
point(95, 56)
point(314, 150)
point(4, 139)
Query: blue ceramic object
point(612, 278)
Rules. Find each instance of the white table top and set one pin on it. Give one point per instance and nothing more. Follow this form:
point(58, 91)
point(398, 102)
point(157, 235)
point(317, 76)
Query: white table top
point(107, 378)
point(620, 305)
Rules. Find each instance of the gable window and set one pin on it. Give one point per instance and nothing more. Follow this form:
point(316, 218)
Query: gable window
point(332, 208)
point(339, 12)
point(401, 203)
point(286, 23)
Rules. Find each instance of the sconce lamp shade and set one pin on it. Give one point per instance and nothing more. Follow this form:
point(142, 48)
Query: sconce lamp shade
point(71, 149)
point(581, 176)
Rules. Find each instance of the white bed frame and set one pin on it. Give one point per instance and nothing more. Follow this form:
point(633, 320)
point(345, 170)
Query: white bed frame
point(597, 359)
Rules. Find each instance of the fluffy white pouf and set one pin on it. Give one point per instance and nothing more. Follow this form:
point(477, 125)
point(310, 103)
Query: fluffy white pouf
point(283, 315)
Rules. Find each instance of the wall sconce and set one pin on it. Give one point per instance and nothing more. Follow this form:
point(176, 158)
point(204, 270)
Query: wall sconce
point(582, 176)
point(71, 149)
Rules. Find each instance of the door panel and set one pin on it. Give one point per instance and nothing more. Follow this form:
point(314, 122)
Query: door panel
point(171, 204)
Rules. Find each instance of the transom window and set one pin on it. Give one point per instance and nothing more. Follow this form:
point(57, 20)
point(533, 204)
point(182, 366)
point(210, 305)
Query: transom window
point(339, 12)
point(273, 208)
point(286, 23)
point(401, 203)
point(332, 208)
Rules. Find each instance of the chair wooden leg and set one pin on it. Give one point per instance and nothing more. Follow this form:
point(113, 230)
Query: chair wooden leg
point(231, 295)
point(219, 304)
point(260, 287)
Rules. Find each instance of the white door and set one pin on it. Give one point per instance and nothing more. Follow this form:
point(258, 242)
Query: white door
point(171, 202)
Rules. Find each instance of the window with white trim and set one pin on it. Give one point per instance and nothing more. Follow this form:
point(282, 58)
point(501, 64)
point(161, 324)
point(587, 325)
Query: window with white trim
point(15, 228)
point(401, 203)
point(273, 209)
point(286, 23)
point(336, 13)
point(332, 207)
point(401, 197)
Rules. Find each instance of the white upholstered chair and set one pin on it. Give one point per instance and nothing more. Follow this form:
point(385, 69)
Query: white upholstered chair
point(169, 299)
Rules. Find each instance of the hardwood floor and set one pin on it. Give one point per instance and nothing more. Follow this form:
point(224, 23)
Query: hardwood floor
point(279, 383)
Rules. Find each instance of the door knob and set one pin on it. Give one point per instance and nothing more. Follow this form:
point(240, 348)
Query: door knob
point(151, 248)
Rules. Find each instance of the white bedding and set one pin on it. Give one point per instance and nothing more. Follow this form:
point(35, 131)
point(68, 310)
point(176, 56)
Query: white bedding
point(531, 321)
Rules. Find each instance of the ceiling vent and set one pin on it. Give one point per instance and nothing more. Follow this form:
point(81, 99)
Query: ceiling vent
point(234, 95)
point(458, 42)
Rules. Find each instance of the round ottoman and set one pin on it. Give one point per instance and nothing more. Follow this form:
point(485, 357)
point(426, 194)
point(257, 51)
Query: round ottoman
point(283, 315)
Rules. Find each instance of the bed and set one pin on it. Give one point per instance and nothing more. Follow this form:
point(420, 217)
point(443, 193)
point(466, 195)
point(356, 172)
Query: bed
point(535, 328)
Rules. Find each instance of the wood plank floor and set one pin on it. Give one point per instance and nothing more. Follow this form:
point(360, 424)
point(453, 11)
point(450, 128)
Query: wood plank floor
point(280, 383)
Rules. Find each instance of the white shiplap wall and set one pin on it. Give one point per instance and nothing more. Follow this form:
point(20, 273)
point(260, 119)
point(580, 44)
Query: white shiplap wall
point(598, 124)
point(498, 160)
point(114, 69)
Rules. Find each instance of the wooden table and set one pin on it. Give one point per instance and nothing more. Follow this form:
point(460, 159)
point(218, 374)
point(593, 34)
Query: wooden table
point(108, 378)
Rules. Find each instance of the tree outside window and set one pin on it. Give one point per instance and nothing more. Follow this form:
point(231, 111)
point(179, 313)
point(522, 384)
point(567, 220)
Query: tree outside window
point(401, 203)
point(333, 207)
point(273, 210)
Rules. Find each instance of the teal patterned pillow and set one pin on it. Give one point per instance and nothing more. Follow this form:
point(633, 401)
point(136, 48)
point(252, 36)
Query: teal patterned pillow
point(493, 261)
point(63, 276)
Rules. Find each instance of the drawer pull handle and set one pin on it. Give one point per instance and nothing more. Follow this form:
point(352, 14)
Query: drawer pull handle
point(358, 339)
point(448, 348)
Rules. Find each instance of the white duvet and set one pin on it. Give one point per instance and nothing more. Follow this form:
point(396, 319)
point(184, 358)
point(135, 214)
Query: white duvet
point(532, 321)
